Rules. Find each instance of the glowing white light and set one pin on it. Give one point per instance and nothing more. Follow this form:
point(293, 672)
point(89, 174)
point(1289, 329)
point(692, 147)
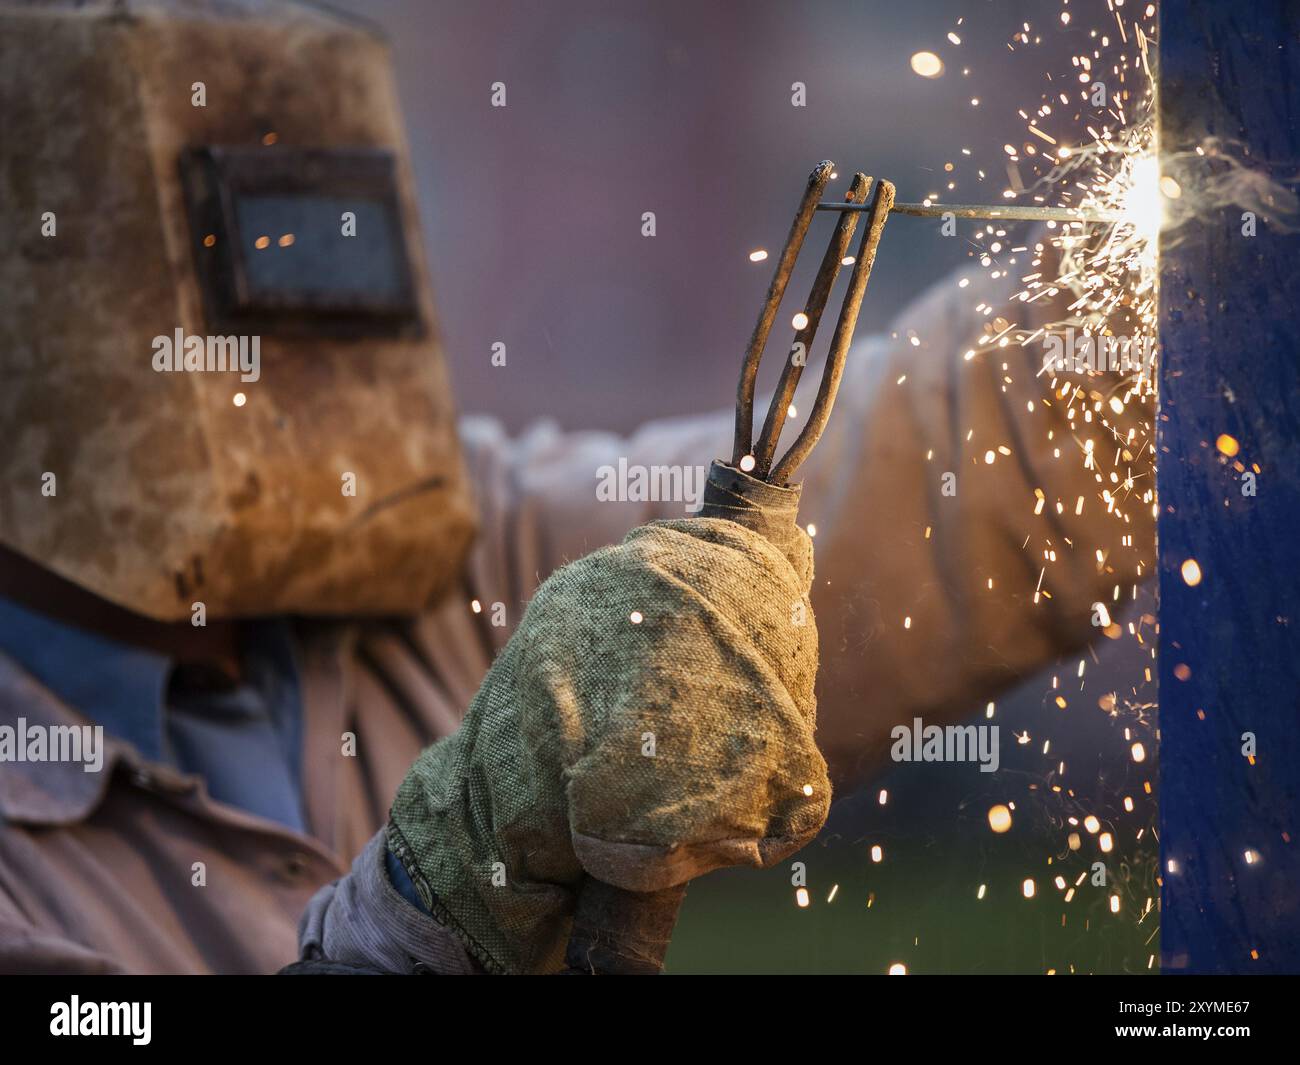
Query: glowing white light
point(927, 64)
point(1141, 203)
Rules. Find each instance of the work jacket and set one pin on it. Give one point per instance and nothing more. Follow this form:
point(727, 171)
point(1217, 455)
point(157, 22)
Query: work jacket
point(934, 589)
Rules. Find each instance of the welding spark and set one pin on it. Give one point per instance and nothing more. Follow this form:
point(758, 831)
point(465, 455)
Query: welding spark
point(1087, 174)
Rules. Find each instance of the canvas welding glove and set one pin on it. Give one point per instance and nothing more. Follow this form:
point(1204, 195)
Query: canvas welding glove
point(651, 719)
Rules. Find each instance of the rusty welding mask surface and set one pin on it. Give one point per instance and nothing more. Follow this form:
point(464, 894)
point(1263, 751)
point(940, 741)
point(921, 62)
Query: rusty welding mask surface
point(192, 185)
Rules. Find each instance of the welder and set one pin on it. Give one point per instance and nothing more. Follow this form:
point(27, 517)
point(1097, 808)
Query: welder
point(274, 593)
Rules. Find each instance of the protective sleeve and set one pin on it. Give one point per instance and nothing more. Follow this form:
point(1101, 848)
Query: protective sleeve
point(923, 492)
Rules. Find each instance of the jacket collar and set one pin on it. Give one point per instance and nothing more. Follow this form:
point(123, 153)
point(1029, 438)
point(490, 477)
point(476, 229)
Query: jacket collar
point(57, 792)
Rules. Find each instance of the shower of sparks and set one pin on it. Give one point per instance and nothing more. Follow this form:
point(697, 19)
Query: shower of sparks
point(1100, 281)
point(1093, 279)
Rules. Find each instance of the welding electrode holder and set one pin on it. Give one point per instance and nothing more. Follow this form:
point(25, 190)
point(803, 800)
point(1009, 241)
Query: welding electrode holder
point(616, 931)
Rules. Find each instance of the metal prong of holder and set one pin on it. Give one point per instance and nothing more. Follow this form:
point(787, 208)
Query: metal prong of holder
point(812, 195)
point(877, 209)
point(765, 449)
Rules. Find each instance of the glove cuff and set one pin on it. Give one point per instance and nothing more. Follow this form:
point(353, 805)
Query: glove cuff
point(770, 510)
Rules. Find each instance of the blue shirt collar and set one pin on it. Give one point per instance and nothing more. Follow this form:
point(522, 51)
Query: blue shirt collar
point(116, 685)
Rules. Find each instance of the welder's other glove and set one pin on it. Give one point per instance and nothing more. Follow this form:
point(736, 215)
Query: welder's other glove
point(652, 719)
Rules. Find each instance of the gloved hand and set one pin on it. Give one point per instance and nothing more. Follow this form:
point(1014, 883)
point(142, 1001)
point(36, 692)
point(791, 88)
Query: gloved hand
point(651, 719)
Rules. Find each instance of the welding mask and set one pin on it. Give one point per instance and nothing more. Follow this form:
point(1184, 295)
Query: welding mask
point(220, 379)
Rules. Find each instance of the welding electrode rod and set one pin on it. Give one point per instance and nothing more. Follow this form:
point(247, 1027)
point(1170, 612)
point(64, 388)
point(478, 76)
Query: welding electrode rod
point(765, 448)
point(966, 210)
point(785, 265)
point(881, 202)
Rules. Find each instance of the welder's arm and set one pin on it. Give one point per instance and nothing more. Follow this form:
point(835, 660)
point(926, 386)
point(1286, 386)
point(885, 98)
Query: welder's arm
point(890, 544)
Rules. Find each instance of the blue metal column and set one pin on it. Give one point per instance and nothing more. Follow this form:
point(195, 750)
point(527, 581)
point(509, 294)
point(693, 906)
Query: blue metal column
point(1230, 644)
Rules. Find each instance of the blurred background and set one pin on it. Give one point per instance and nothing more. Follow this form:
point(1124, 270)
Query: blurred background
point(532, 212)
point(532, 217)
